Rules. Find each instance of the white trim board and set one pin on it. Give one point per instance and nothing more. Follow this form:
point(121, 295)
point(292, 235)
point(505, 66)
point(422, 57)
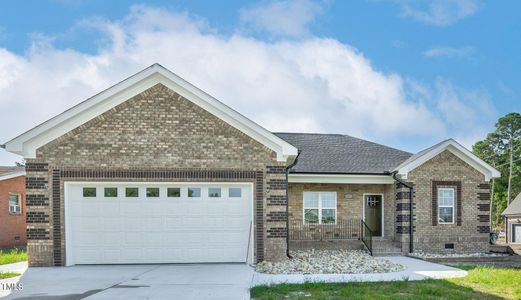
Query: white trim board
point(455, 148)
point(12, 175)
point(27, 143)
point(341, 179)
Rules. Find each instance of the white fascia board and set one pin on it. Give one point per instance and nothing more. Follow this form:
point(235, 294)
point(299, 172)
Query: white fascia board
point(27, 143)
point(340, 178)
point(12, 175)
point(458, 150)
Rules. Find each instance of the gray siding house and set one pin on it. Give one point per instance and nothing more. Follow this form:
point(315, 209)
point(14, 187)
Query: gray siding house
point(154, 170)
point(512, 215)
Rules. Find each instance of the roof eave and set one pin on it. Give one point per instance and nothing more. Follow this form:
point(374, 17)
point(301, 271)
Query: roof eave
point(27, 143)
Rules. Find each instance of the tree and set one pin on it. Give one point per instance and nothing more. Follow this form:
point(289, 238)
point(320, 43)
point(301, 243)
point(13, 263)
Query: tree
point(502, 150)
point(508, 131)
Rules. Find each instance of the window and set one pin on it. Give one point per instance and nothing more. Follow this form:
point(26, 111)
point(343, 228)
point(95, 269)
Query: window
point(319, 207)
point(152, 192)
point(110, 192)
point(194, 192)
point(214, 192)
point(173, 192)
point(235, 192)
point(15, 203)
point(446, 205)
point(131, 192)
point(89, 192)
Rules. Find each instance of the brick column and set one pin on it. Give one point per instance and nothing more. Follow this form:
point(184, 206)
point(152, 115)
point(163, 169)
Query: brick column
point(275, 213)
point(38, 214)
point(402, 216)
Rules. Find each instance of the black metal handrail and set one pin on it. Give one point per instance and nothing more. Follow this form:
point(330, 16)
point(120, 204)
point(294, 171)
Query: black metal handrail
point(366, 236)
point(341, 230)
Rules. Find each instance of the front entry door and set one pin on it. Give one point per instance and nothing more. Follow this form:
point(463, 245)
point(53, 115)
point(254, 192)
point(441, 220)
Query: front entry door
point(373, 213)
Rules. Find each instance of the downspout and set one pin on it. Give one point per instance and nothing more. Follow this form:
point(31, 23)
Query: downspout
point(287, 203)
point(411, 193)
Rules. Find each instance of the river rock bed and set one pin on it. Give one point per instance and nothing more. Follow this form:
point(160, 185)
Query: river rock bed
point(329, 262)
point(422, 254)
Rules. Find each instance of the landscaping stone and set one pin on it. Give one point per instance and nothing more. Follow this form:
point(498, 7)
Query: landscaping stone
point(329, 262)
point(425, 255)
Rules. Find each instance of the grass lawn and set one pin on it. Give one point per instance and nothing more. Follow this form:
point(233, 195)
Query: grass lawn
point(481, 283)
point(10, 256)
point(4, 275)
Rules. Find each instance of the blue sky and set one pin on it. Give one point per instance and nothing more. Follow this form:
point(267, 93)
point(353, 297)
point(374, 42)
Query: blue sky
point(404, 73)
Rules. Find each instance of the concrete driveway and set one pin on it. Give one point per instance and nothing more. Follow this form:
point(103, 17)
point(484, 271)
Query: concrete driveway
point(188, 281)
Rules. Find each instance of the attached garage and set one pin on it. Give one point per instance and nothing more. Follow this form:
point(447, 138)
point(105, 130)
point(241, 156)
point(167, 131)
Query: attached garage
point(125, 223)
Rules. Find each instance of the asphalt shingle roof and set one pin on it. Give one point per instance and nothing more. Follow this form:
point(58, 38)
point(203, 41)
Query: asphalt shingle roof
point(514, 208)
point(342, 154)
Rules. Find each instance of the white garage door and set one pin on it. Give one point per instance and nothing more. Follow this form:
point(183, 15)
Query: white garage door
point(119, 223)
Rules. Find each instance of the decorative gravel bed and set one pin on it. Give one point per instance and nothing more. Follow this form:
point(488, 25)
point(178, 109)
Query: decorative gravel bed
point(329, 262)
point(421, 254)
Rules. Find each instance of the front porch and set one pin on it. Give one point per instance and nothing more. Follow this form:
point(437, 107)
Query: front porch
point(327, 216)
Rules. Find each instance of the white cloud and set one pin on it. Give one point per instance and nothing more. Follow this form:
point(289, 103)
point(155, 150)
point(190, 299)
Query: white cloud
point(290, 18)
point(468, 112)
point(451, 52)
point(438, 12)
point(311, 85)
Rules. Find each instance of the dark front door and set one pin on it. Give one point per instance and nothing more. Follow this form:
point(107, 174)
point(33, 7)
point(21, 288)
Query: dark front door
point(373, 213)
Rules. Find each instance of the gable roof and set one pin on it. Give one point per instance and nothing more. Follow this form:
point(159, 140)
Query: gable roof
point(514, 208)
point(27, 143)
point(455, 148)
point(341, 154)
point(8, 172)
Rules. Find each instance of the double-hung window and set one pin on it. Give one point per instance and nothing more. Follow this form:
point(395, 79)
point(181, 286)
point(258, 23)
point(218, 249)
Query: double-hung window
point(15, 203)
point(319, 207)
point(446, 205)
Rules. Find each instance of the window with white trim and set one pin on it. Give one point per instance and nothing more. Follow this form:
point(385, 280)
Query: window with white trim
point(446, 205)
point(15, 203)
point(319, 207)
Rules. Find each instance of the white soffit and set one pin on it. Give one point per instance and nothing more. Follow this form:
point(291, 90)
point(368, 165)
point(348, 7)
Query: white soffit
point(12, 175)
point(27, 143)
point(340, 178)
point(455, 148)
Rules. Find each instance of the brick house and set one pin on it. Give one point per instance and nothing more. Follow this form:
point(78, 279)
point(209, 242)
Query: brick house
point(154, 170)
point(512, 215)
point(12, 207)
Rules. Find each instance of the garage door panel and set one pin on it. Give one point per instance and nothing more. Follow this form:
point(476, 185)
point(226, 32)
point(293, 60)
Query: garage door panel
point(158, 229)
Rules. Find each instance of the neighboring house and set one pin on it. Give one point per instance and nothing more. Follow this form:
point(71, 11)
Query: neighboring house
point(154, 170)
point(12, 207)
point(512, 216)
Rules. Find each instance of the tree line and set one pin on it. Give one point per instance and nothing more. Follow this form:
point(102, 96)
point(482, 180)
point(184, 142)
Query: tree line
point(502, 150)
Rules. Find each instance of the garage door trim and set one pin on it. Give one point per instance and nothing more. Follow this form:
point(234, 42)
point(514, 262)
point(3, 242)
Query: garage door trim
point(69, 253)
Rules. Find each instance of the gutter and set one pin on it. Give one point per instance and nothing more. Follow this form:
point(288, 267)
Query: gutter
point(411, 193)
point(287, 203)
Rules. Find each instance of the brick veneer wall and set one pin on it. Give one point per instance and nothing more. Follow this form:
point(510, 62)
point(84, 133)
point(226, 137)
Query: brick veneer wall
point(157, 135)
point(12, 226)
point(469, 233)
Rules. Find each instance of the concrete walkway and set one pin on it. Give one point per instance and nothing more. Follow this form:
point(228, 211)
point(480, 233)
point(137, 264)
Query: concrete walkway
point(415, 269)
point(182, 281)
